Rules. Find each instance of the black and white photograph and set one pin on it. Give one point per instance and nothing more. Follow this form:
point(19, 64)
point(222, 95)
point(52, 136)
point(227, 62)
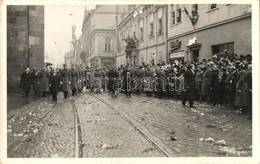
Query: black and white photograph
point(130, 80)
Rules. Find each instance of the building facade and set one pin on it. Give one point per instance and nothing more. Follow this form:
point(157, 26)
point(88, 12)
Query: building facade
point(25, 40)
point(146, 25)
point(98, 35)
point(199, 31)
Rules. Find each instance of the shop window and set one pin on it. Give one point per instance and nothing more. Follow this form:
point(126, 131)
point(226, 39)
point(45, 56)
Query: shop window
point(220, 48)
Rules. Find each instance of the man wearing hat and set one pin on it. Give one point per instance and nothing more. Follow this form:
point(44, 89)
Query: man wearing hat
point(54, 84)
point(65, 80)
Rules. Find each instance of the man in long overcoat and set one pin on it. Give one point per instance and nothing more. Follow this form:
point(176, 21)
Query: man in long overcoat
point(25, 82)
point(54, 85)
point(242, 91)
point(44, 80)
point(148, 84)
point(126, 74)
point(65, 80)
point(74, 80)
point(189, 86)
point(113, 77)
point(36, 81)
point(161, 83)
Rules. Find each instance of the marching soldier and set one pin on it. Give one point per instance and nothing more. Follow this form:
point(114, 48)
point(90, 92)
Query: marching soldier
point(74, 80)
point(97, 82)
point(44, 81)
point(113, 76)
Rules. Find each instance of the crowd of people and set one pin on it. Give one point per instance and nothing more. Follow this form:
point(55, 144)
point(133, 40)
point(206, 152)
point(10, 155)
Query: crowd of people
point(224, 80)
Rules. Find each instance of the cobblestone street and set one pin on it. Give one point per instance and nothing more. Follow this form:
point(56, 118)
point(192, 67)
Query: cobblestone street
point(121, 127)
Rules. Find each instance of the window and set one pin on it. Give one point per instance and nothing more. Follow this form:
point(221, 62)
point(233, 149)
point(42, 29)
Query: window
point(141, 33)
point(175, 14)
point(107, 44)
point(151, 29)
point(213, 6)
point(220, 48)
point(178, 9)
point(160, 29)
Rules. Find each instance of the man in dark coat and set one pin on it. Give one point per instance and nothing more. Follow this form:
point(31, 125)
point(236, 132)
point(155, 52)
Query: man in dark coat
point(74, 80)
point(189, 86)
point(65, 80)
point(126, 81)
point(25, 82)
point(161, 83)
point(54, 85)
point(113, 76)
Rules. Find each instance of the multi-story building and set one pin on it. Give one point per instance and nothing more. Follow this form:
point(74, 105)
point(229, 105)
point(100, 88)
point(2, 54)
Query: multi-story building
point(25, 40)
point(98, 32)
point(69, 59)
point(146, 24)
point(199, 31)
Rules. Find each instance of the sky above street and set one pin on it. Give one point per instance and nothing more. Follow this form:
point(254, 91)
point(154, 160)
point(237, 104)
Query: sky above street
point(58, 28)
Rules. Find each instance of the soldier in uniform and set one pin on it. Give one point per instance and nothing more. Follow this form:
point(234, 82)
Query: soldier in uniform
point(44, 80)
point(148, 81)
point(126, 74)
point(25, 82)
point(87, 75)
point(113, 77)
point(161, 83)
point(91, 80)
point(65, 80)
point(98, 83)
point(74, 80)
point(104, 78)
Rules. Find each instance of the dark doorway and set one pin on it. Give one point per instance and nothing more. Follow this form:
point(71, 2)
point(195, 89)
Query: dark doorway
point(195, 55)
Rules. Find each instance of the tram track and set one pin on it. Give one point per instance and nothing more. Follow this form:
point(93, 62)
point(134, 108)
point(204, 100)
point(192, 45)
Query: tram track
point(78, 151)
point(134, 123)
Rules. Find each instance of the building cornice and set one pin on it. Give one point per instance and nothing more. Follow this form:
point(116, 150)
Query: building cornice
point(247, 15)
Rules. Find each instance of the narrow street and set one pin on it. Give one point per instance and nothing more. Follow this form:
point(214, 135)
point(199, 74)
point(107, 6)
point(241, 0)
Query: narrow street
point(97, 125)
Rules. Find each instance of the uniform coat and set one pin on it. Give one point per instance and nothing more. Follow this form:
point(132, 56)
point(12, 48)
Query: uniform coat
point(161, 81)
point(242, 91)
point(44, 80)
point(36, 81)
point(74, 79)
point(148, 81)
point(65, 79)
